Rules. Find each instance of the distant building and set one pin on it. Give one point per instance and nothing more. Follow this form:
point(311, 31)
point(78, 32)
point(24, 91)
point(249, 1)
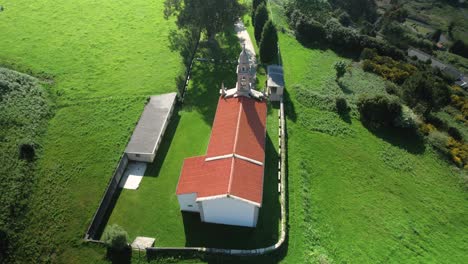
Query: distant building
point(448, 70)
point(225, 186)
point(275, 82)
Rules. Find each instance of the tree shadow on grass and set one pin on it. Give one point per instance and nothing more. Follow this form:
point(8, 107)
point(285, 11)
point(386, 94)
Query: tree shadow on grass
point(207, 76)
point(266, 233)
point(289, 109)
point(153, 169)
point(404, 138)
point(345, 116)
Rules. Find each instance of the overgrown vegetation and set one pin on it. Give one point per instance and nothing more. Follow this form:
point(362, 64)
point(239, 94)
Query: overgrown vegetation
point(388, 68)
point(115, 237)
point(360, 187)
point(24, 111)
point(379, 111)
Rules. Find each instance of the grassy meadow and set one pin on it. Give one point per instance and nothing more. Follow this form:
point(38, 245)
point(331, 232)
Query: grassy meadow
point(354, 196)
point(357, 196)
point(102, 60)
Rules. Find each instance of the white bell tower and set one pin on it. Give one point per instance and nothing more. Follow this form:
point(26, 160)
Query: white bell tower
point(245, 79)
point(244, 75)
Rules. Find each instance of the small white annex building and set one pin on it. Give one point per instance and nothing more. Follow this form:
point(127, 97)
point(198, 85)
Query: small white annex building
point(150, 129)
point(225, 186)
point(275, 82)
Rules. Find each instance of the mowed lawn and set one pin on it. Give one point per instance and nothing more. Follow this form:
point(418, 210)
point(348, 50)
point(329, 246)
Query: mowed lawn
point(153, 209)
point(105, 58)
point(360, 197)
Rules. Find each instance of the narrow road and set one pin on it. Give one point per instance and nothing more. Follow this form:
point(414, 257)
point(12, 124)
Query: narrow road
point(244, 39)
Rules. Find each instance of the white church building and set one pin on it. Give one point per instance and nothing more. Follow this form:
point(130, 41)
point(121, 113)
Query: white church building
point(225, 186)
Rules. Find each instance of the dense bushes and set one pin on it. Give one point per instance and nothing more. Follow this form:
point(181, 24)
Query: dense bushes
point(24, 110)
point(388, 68)
point(426, 91)
point(310, 30)
point(459, 47)
point(461, 103)
point(358, 9)
point(115, 237)
point(379, 110)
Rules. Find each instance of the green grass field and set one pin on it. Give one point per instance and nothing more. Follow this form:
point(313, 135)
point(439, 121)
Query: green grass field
point(363, 197)
point(354, 196)
point(105, 58)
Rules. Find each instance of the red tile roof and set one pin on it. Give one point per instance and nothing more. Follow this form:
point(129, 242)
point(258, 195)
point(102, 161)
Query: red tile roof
point(238, 134)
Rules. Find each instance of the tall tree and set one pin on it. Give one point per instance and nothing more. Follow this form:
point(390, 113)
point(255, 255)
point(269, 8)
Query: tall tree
point(255, 4)
point(209, 16)
point(340, 68)
point(261, 17)
point(269, 43)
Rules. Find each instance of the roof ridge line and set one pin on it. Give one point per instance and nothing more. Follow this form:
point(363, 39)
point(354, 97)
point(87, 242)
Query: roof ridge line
point(235, 145)
point(256, 162)
point(230, 177)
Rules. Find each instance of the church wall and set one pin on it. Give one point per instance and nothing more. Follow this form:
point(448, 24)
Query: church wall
point(229, 211)
point(187, 202)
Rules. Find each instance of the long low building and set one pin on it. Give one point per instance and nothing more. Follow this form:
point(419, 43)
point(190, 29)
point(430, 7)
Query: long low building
point(150, 129)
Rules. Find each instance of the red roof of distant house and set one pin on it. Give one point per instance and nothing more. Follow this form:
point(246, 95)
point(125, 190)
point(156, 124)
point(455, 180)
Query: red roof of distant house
point(235, 154)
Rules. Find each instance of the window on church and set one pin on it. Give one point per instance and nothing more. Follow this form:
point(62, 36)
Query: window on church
point(243, 78)
point(243, 68)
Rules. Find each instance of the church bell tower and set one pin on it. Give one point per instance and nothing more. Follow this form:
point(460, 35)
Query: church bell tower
point(243, 72)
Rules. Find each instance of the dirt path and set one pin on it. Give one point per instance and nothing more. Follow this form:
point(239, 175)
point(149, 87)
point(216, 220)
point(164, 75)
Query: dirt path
point(244, 38)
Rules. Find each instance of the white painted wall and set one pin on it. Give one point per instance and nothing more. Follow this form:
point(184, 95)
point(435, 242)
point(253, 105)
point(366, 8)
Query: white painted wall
point(187, 202)
point(229, 211)
point(142, 157)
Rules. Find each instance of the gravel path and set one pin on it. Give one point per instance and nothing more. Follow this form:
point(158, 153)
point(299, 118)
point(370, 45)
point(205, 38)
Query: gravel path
point(244, 38)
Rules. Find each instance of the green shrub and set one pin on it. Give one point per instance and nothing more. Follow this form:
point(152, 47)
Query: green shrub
point(367, 54)
point(379, 110)
point(341, 105)
point(407, 119)
point(392, 88)
point(389, 68)
point(115, 237)
point(439, 141)
point(340, 68)
point(426, 89)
